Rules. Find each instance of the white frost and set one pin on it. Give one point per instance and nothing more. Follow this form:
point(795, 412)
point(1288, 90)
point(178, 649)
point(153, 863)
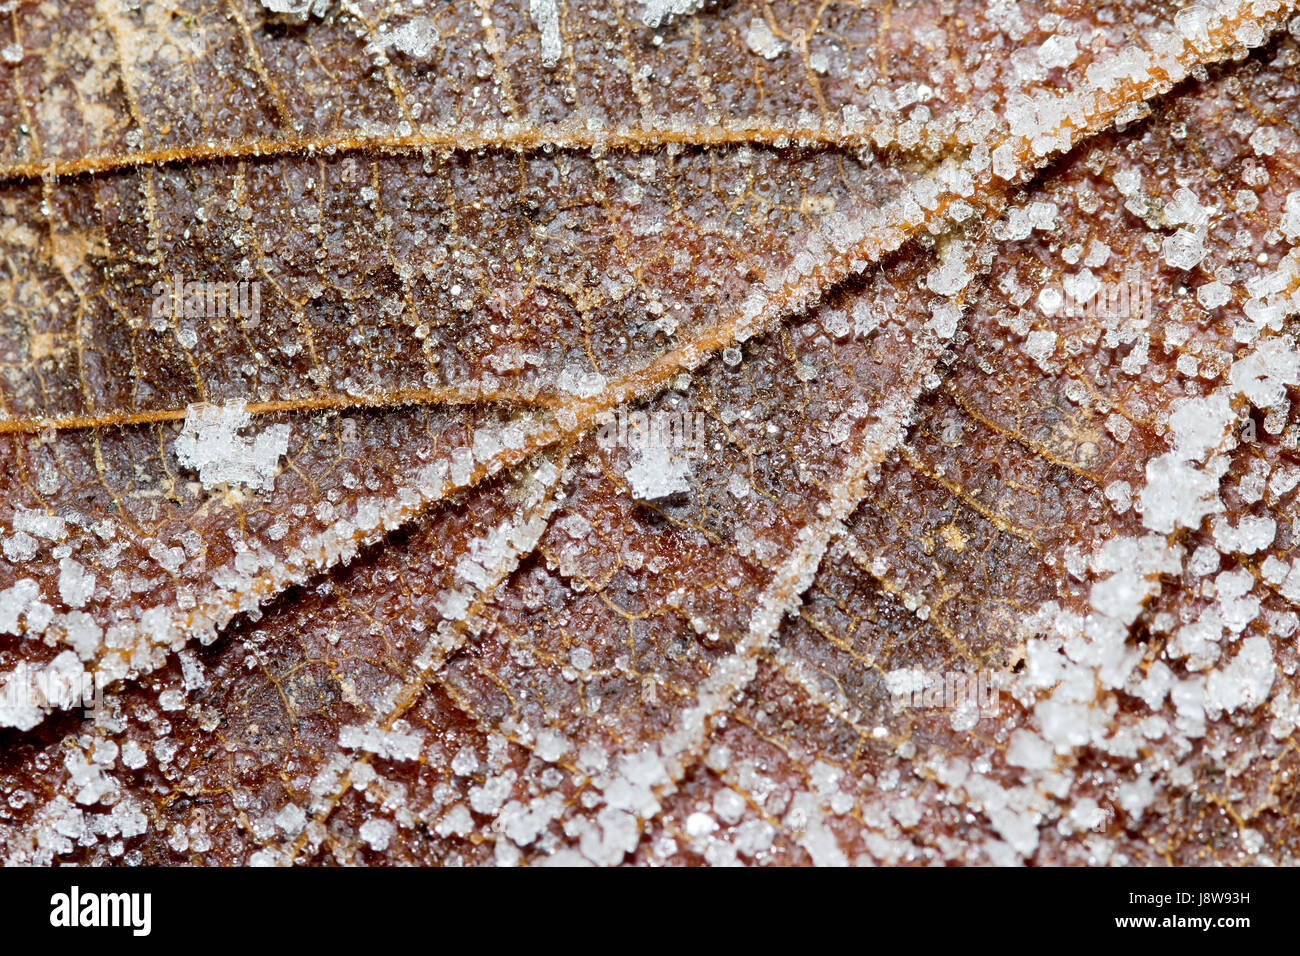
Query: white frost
point(416, 38)
point(655, 12)
point(1262, 375)
point(547, 17)
point(210, 443)
point(657, 474)
point(76, 584)
point(761, 40)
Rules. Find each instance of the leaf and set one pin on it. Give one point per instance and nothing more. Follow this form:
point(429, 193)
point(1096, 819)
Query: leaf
point(451, 605)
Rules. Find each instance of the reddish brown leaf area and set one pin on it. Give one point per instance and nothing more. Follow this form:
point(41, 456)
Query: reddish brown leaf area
point(649, 433)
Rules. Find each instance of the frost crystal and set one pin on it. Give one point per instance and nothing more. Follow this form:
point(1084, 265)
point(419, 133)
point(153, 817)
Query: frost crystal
point(210, 444)
point(1183, 250)
point(291, 819)
point(1263, 374)
point(14, 601)
point(1058, 51)
point(944, 320)
point(1040, 345)
point(35, 522)
point(1199, 425)
point(761, 40)
point(547, 17)
point(952, 274)
point(377, 833)
point(416, 38)
point(20, 548)
point(1252, 534)
point(1213, 294)
point(76, 585)
point(1246, 681)
point(656, 474)
point(1290, 224)
point(1177, 495)
point(655, 12)
point(298, 8)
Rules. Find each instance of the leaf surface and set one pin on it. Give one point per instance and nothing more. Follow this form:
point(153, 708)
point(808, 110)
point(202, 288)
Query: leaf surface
point(469, 613)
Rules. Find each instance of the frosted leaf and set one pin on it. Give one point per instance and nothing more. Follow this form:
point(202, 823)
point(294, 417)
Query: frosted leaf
point(946, 479)
point(211, 444)
point(11, 53)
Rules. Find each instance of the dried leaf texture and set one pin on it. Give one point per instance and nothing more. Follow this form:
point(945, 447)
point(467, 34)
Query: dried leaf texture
point(382, 569)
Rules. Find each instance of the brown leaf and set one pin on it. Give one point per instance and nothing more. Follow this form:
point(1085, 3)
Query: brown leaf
point(621, 414)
